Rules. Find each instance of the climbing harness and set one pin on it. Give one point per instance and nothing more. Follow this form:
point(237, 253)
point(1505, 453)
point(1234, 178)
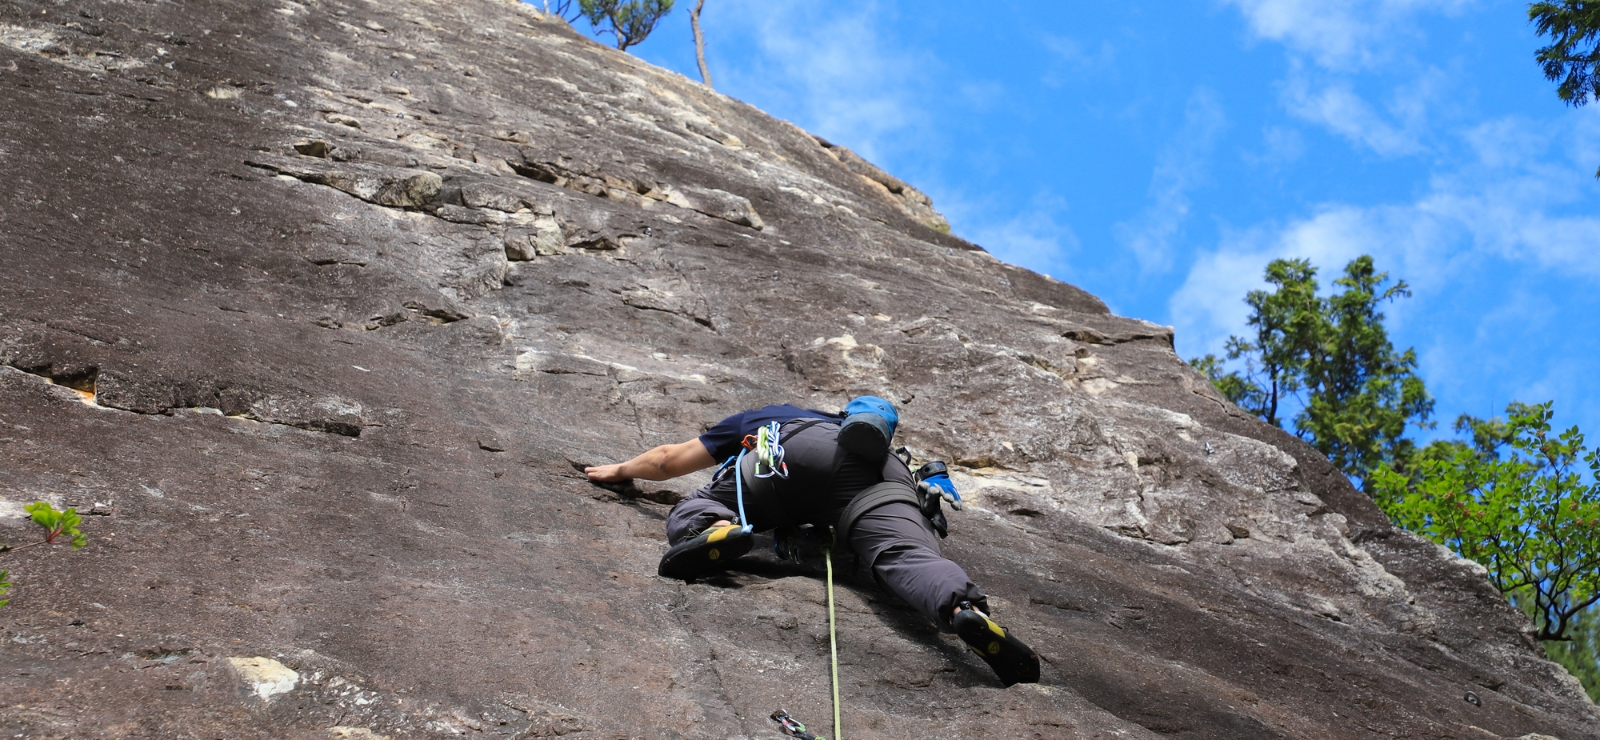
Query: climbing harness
point(764, 443)
point(793, 727)
point(833, 633)
point(887, 492)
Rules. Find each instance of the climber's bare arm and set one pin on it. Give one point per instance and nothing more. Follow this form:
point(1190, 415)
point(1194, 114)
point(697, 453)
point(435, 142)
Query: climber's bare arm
point(661, 463)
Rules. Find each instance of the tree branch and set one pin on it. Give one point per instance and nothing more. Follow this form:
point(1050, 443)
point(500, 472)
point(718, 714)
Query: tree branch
point(700, 43)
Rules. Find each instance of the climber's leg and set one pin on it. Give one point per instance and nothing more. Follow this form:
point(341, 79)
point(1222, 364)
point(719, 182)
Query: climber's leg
point(903, 550)
point(703, 540)
point(703, 508)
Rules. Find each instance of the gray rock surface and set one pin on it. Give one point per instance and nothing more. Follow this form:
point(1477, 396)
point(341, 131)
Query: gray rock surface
point(315, 307)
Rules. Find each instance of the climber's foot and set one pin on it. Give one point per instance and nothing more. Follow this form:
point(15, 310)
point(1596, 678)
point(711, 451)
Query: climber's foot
point(1011, 660)
point(706, 553)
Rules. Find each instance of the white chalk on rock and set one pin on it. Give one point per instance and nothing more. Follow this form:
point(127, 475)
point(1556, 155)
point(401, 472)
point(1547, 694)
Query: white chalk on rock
point(264, 677)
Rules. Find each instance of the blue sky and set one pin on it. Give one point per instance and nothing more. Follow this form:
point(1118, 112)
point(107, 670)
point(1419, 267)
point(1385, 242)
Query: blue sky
point(1159, 154)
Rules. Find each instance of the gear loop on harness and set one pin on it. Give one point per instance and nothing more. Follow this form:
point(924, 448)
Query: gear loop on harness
point(769, 451)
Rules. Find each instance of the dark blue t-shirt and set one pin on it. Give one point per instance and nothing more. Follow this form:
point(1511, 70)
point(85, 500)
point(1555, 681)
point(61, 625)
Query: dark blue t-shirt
point(724, 440)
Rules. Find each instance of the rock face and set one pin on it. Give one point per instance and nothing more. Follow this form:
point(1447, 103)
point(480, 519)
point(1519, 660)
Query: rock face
point(316, 307)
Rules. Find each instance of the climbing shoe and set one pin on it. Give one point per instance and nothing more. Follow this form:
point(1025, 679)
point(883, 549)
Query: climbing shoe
point(1011, 660)
point(706, 553)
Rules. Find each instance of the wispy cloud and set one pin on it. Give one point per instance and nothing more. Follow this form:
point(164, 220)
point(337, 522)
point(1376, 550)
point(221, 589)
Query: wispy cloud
point(1179, 168)
point(1033, 236)
point(1342, 111)
point(1072, 58)
point(1339, 35)
point(1501, 211)
point(1507, 142)
point(1343, 38)
point(1280, 145)
point(831, 70)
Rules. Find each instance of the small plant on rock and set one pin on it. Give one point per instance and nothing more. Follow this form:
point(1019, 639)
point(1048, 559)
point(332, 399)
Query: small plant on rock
point(57, 524)
point(61, 527)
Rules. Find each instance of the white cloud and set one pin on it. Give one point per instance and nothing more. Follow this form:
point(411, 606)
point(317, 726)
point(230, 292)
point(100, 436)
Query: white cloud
point(1074, 59)
point(1032, 238)
point(1346, 114)
point(1179, 168)
point(1338, 34)
point(1352, 36)
point(1481, 217)
point(1507, 142)
point(832, 70)
point(1507, 219)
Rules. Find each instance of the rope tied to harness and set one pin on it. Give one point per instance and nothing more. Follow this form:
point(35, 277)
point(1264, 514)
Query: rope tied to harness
point(765, 444)
point(833, 632)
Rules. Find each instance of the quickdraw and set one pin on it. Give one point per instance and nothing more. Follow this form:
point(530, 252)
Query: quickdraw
point(764, 443)
point(792, 727)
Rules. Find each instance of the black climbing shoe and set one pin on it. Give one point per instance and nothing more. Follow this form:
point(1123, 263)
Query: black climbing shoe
point(706, 553)
point(1011, 660)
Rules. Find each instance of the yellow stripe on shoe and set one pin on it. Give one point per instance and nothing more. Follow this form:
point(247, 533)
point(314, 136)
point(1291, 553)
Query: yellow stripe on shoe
point(705, 554)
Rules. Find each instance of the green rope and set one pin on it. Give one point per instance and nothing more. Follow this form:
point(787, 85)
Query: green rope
point(833, 635)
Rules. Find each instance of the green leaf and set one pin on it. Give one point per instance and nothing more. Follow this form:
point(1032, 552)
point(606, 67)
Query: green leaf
point(57, 523)
point(5, 586)
point(1520, 507)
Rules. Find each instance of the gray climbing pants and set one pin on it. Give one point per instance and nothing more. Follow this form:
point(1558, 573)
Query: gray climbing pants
point(896, 540)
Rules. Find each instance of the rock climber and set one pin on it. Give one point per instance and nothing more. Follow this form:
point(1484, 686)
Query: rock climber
point(826, 469)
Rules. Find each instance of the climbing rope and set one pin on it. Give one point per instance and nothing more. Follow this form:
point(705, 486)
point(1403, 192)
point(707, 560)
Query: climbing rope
point(738, 488)
point(833, 633)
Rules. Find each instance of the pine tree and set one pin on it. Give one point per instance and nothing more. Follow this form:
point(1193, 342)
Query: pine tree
point(1574, 51)
point(1572, 56)
point(1331, 361)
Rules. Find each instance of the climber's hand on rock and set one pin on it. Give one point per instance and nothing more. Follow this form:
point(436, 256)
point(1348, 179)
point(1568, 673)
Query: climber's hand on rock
point(658, 463)
point(606, 473)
